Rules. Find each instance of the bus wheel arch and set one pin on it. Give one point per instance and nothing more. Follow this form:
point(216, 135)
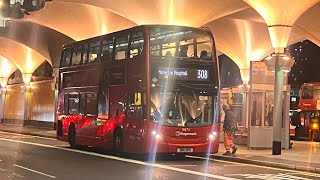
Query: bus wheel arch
point(72, 135)
point(117, 142)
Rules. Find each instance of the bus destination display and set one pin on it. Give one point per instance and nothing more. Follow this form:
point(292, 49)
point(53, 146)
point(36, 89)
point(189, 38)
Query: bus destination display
point(186, 74)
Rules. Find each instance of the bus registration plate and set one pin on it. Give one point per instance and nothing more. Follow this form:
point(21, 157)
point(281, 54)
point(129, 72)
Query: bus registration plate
point(184, 149)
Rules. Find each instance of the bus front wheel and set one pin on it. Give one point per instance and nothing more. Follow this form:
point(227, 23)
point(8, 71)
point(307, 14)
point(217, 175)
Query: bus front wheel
point(117, 143)
point(72, 136)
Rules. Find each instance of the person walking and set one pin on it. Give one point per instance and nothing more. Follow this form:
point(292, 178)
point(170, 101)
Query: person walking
point(229, 127)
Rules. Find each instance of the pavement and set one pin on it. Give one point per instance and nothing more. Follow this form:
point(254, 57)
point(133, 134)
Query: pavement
point(43, 132)
point(303, 156)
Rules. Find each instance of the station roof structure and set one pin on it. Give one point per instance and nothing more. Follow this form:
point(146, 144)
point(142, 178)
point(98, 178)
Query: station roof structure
point(240, 27)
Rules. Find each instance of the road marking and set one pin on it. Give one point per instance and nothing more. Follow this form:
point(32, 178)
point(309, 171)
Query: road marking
point(160, 166)
point(259, 166)
point(283, 176)
point(232, 165)
point(183, 165)
point(18, 175)
point(3, 170)
point(38, 172)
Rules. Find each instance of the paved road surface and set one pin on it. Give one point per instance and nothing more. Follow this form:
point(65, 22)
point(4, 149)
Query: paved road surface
point(24, 157)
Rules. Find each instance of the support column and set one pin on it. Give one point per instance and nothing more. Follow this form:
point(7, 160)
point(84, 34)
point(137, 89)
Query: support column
point(245, 75)
point(26, 91)
point(3, 84)
point(2, 104)
point(26, 106)
point(277, 116)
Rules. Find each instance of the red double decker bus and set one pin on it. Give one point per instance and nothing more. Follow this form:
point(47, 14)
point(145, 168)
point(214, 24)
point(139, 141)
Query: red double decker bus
point(148, 89)
point(307, 121)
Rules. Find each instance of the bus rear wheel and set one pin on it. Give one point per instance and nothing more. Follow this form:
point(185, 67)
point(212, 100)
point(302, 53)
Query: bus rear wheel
point(117, 144)
point(72, 136)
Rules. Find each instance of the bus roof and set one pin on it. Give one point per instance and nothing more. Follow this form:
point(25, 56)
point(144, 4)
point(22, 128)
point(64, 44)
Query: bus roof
point(84, 41)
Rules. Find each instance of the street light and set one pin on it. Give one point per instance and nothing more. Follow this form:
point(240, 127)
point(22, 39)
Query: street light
point(279, 63)
point(285, 62)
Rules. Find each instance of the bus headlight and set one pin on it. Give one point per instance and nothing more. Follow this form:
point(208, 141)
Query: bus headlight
point(156, 135)
point(212, 135)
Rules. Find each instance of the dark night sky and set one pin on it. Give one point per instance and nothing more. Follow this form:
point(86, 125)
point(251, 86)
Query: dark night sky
point(307, 63)
point(305, 69)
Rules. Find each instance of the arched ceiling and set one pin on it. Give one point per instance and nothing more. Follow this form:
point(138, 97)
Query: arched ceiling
point(240, 32)
point(191, 12)
point(44, 40)
point(79, 21)
point(25, 58)
point(7, 68)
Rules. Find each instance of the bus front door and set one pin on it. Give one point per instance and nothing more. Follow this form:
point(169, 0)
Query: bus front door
point(134, 131)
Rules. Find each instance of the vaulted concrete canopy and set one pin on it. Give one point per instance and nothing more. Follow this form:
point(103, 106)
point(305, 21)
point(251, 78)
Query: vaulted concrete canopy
point(181, 12)
point(280, 17)
point(7, 68)
point(240, 31)
point(309, 22)
point(79, 21)
point(44, 40)
point(25, 58)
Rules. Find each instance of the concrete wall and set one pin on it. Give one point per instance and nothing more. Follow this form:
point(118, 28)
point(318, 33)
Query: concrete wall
point(14, 103)
point(41, 101)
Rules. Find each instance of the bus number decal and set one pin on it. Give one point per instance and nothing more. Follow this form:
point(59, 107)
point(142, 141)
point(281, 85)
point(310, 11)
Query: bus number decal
point(202, 74)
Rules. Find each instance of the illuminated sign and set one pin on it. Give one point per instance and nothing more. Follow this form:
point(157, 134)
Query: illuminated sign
point(179, 133)
point(183, 74)
point(293, 99)
point(117, 75)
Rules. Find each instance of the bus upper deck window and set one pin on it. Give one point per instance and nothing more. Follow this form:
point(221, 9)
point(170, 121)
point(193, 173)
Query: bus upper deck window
point(76, 55)
point(107, 48)
point(94, 52)
point(121, 48)
point(186, 48)
point(85, 54)
point(66, 58)
point(136, 45)
point(204, 47)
